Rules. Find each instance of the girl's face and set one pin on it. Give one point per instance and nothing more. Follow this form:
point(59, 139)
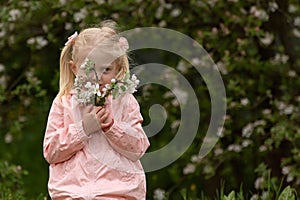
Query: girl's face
point(105, 74)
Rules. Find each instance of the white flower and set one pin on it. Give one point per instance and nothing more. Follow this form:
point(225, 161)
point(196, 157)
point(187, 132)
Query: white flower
point(254, 197)
point(266, 111)
point(262, 148)
point(8, 138)
point(159, 194)
point(280, 59)
point(220, 131)
point(1, 67)
point(297, 21)
point(288, 110)
point(218, 151)
point(244, 101)
point(196, 158)
point(259, 123)
point(259, 13)
point(88, 85)
point(289, 178)
point(100, 2)
point(113, 80)
point(259, 182)
point(176, 12)
point(246, 143)
point(159, 12)
point(234, 147)
point(68, 26)
point(189, 169)
point(273, 6)
point(62, 2)
point(222, 67)
point(292, 73)
point(286, 170)
point(41, 42)
point(14, 14)
point(296, 32)
point(247, 130)
point(80, 15)
point(267, 39)
point(292, 8)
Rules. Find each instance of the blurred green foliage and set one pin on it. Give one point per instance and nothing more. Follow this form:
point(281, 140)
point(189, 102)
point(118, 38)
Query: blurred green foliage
point(254, 43)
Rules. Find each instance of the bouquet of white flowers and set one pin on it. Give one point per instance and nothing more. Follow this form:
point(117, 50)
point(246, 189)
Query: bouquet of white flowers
point(88, 91)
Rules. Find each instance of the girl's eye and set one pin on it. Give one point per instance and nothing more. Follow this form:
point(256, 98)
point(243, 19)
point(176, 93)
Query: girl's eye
point(106, 69)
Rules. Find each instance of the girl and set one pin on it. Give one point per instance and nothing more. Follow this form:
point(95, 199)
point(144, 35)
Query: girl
point(94, 152)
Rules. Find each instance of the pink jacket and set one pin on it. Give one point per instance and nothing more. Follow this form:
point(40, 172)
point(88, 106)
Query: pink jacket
point(87, 163)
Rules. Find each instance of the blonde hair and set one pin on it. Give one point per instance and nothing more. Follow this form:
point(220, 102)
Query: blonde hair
point(85, 42)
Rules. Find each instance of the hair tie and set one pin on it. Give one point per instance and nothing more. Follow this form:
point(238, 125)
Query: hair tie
point(123, 43)
point(71, 39)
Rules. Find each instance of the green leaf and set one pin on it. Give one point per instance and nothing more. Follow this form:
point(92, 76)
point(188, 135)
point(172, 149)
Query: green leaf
point(287, 194)
point(231, 196)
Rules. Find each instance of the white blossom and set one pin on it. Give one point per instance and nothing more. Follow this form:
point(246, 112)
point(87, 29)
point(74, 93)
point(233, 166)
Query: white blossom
point(288, 110)
point(262, 148)
point(234, 147)
point(296, 32)
point(286, 170)
point(159, 194)
point(8, 138)
point(259, 13)
point(196, 158)
point(218, 151)
point(260, 123)
point(14, 14)
point(247, 130)
point(62, 2)
point(78, 16)
point(246, 143)
point(280, 58)
point(267, 39)
point(292, 8)
point(41, 42)
point(297, 21)
point(220, 131)
point(162, 23)
point(292, 73)
point(68, 26)
point(273, 6)
point(2, 68)
point(222, 67)
point(266, 111)
point(245, 101)
point(159, 12)
point(100, 2)
point(289, 178)
point(254, 197)
point(259, 182)
point(176, 12)
point(189, 169)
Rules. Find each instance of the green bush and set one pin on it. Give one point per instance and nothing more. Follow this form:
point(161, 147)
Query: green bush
point(254, 43)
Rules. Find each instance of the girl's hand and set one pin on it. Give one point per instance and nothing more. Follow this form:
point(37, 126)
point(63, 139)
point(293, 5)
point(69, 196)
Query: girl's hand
point(103, 114)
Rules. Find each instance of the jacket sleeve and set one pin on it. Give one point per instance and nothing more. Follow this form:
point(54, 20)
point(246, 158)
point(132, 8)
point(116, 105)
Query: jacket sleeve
point(127, 135)
point(62, 139)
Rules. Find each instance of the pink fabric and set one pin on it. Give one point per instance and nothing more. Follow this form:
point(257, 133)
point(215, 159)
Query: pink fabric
point(104, 165)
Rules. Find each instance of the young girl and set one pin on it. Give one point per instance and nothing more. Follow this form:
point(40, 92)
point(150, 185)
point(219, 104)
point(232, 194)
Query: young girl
point(94, 152)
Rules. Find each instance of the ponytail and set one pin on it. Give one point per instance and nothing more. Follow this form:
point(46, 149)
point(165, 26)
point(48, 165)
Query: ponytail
point(66, 77)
